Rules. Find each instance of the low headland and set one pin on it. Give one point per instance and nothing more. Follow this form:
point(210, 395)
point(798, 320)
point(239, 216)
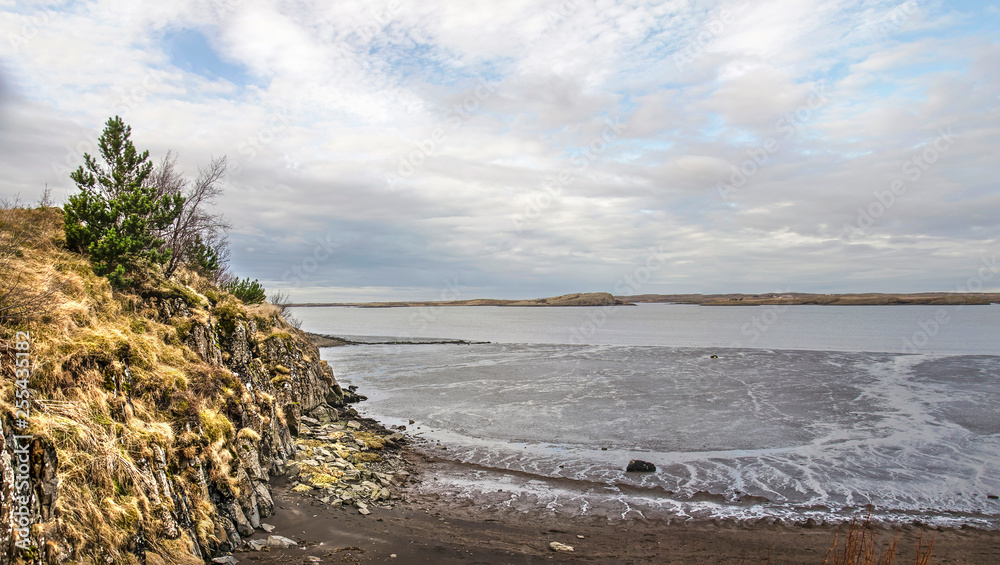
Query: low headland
point(576, 299)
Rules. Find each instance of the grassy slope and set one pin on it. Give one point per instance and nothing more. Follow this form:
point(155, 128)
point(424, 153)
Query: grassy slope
point(147, 436)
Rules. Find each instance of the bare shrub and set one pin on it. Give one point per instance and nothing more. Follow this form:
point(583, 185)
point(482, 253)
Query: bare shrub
point(197, 237)
point(280, 299)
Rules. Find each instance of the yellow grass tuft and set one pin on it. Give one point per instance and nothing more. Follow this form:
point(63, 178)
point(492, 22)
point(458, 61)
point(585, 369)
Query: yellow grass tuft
point(862, 546)
point(216, 426)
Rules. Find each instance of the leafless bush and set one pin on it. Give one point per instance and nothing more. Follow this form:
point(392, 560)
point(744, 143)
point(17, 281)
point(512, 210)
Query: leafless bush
point(197, 234)
point(280, 299)
point(46, 200)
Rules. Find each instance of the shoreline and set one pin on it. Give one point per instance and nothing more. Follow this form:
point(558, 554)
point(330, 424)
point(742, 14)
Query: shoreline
point(416, 525)
point(427, 528)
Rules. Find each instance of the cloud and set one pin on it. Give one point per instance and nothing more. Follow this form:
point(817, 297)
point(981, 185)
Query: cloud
point(412, 144)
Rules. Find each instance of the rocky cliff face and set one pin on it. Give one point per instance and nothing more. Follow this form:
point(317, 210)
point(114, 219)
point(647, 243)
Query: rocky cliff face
point(156, 420)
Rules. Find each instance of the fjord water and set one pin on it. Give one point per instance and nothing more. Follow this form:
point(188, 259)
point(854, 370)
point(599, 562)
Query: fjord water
point(746, 411)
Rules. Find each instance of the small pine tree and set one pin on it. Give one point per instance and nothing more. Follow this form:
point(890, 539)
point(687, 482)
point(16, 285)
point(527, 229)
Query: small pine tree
point(117, 214)
point(249, 292)
point(203, 258)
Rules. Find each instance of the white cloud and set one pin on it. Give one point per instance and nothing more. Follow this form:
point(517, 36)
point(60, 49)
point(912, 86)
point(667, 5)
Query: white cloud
point(350, 94)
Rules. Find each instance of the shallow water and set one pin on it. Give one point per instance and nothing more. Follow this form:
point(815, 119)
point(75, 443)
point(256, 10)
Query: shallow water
point(752, 433)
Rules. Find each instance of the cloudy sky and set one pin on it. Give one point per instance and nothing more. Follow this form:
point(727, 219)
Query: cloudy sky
point(398, 150)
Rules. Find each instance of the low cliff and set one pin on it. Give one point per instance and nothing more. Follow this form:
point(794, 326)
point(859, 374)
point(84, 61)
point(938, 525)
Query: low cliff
point(147, 424)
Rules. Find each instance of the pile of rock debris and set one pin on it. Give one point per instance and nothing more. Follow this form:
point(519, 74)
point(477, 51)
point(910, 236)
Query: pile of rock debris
point(355, 461)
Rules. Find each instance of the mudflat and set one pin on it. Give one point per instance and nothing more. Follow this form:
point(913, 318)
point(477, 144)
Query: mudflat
point(429, 529)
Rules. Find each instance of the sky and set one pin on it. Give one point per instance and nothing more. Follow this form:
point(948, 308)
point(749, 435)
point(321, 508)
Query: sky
point(444, 149)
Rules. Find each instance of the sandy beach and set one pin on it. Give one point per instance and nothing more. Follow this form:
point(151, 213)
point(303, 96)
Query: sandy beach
point(424, 528)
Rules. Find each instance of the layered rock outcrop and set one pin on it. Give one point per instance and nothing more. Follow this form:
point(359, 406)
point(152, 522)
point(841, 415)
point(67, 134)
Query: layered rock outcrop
point(156, 420)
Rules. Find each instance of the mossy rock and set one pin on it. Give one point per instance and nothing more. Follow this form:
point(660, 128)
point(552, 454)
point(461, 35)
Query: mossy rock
point(229, 313)
point(183, 327)
point(371, 441)
point(363, 457)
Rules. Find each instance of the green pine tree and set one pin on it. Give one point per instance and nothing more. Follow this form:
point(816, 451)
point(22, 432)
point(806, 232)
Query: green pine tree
point(249, 292)
point(203, 258)
point(117, 215)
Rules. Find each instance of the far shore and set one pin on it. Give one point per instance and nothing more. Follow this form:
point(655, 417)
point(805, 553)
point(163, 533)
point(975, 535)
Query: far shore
point(790, 299)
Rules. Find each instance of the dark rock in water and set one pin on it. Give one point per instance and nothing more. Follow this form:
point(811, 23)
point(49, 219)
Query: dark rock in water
point(352, 397)
point(638, 466)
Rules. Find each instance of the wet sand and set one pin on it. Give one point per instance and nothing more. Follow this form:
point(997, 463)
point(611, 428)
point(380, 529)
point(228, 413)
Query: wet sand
point(426, 529)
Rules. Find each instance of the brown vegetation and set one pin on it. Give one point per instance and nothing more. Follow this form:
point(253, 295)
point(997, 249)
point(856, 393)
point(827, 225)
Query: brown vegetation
point(861, 546)
point(132, 427)
point(25, 293)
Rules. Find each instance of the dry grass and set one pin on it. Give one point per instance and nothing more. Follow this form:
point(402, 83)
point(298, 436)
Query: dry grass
point(112, 383)
point(862, 546)
point(25, 235)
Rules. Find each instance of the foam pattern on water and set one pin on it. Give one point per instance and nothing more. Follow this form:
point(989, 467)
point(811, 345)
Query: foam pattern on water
point(752, 433)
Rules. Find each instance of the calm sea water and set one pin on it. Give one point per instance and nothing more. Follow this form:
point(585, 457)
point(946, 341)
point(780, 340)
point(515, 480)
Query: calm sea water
point(747, 412)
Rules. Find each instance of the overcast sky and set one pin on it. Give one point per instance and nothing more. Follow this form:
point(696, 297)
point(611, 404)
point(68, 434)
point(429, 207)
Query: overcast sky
point(517, 149)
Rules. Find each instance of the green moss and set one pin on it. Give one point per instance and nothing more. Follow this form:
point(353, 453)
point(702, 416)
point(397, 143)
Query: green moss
point(285, 337)
point(216, 425)
point(228, 313)
point(183, 327)
point(101, 418)
point(363, 457)
point(172, 289)
point(263, 322)
point(371, 441)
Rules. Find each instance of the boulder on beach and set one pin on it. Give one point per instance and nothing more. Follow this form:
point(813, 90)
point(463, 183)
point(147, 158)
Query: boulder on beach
point(324, 414)
point(556, 546)
point(280, 542)
point(639, 466)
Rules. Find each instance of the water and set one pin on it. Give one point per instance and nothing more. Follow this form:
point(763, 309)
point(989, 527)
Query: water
point(836, 418)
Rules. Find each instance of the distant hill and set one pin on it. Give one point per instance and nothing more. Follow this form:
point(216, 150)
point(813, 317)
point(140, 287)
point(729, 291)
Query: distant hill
point(867, 299)
point(576, 299)
point(790, 298)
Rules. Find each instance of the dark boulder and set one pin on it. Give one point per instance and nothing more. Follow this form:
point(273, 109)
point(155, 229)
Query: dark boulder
point(638, 466)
